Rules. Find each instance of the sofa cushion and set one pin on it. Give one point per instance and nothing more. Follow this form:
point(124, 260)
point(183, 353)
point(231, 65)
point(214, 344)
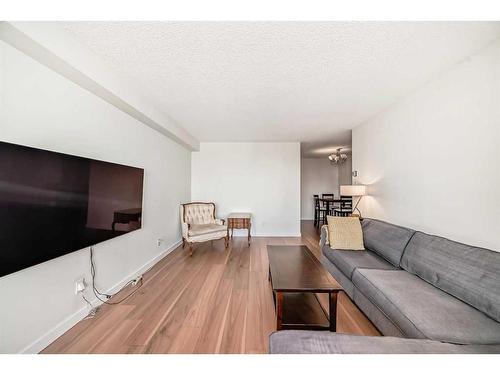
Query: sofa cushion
point(348, 260)
point(338, 275)
point(310, 342)
point(421, 310)
point(387, 240)
point(469, 273)
point(201, 229)
point(345, 233)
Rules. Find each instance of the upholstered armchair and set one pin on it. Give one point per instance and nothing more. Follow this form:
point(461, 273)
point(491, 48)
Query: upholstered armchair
point(199, 224)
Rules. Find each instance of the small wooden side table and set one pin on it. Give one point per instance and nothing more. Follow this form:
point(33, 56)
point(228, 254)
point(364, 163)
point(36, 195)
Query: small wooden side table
point(239, 220)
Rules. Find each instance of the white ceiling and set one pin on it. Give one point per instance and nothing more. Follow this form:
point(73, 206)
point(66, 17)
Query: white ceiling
point(280, 81)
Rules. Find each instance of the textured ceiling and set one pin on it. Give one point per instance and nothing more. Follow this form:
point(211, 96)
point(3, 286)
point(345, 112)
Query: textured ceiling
point(280, 81)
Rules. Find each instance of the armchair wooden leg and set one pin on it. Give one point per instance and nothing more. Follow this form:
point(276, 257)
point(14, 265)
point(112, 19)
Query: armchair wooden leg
point(183, 243)
point(190, 246)
point(226, 242)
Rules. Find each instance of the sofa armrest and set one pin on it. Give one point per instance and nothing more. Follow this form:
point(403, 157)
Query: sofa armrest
point(324, 236)
point(314, 342)
point(185, 229)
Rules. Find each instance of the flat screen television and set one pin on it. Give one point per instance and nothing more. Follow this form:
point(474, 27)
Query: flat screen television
point(52, 204)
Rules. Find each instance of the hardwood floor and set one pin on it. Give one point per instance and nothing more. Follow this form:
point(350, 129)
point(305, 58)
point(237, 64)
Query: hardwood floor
point(218, 301)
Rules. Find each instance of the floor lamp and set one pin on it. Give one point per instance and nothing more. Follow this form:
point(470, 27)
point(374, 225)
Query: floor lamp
point(353, 191)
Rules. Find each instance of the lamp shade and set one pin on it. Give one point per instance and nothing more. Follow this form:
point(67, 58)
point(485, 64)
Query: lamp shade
point(353, 190)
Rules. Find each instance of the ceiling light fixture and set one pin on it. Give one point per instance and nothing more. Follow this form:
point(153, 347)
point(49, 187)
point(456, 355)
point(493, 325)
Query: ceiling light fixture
point(338, 157)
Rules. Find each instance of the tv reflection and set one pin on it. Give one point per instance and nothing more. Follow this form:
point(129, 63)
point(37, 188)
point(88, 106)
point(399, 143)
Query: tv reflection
point(115, 199)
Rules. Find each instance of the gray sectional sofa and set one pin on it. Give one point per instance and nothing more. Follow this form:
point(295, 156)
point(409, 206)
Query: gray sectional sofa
point(411, 285)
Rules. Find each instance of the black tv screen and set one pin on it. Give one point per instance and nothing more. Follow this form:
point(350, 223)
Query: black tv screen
point(52, 204)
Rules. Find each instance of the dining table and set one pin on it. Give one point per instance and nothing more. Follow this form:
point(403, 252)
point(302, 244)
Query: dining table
point(331, 201)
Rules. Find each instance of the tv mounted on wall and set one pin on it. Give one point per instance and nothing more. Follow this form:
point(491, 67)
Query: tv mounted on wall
point(52, 204)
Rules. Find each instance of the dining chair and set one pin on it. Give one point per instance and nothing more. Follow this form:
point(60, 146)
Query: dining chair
point(345, 208)
point(319, 211)
point(329, 206)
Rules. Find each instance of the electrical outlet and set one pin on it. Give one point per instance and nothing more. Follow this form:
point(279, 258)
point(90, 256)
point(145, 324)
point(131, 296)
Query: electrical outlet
point(137, 280)
point(158, 242)
point(80, 285)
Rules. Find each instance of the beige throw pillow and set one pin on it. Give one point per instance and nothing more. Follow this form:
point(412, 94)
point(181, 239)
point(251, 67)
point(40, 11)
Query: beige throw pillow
point(345, 233)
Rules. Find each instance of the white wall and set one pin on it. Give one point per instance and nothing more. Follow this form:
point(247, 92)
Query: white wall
point(345, 172)
point(40, 108)
point(432, 160)
point(317, 176)
point(261, 178)
point(54, 47)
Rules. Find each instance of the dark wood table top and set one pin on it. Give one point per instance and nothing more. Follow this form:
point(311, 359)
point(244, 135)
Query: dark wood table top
point(332, 200)
point(296, 269)
point(129, 211)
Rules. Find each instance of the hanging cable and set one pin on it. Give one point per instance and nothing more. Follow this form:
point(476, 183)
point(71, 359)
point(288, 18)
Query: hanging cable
point(99, 294)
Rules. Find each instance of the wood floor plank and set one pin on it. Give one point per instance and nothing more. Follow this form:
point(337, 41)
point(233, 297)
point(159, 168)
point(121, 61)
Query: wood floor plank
point(160, 308)
point(233, 332)
point(255, 256)
point(255, 336)
point(217, 301)
point(189, 333)
point(211, 333)
point(115, 341)
point(165, 333)
point(89, 340)
point(63, 343)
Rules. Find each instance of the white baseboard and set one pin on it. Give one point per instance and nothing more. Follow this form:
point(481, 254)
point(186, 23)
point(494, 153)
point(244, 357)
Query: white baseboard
point(275, 235)
point(42, 342)
point(143, 268)
point(244, 234)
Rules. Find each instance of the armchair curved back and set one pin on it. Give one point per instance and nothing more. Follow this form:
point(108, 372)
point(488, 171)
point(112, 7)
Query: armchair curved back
point(198, 213)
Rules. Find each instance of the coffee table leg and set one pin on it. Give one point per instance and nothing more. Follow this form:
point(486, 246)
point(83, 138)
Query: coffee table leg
point(279, 310)
point(333, 311)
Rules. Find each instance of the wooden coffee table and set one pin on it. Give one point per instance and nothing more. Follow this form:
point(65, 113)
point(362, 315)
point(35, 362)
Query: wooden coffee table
point(296, 277)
